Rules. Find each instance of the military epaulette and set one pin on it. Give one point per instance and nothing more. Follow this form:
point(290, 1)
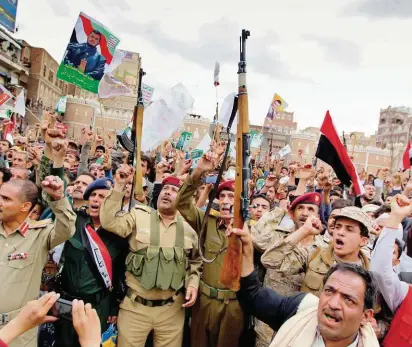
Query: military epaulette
point(144, 208)
point(214, 213)
point(82, 208)
point(40, 223)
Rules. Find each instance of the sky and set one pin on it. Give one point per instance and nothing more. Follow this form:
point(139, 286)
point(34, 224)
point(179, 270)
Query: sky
point(350, 57)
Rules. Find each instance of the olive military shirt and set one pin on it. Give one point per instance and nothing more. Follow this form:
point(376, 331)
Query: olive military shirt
point(20, 278)
point(135, 225)
point(23, 255)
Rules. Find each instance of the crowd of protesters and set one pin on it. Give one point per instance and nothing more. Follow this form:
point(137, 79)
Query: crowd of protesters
point(321, 266)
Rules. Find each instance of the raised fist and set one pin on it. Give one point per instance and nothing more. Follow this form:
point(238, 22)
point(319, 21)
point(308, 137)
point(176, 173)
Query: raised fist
point(59, 147)
point(122, 177)
point(54, 187)
point(313, 226)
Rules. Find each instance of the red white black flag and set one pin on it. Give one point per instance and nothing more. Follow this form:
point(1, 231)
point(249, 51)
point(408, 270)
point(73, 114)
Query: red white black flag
point(407, 157)
point(333, 152)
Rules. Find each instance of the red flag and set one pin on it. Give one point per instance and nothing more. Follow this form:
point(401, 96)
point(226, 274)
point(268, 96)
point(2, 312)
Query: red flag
point(5, 95)
point(406, 158)
point(333, 152)
point(8, 128)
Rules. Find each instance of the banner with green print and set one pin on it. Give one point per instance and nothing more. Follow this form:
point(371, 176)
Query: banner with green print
point(89, 52)
point(184, 140)
point(255, 139)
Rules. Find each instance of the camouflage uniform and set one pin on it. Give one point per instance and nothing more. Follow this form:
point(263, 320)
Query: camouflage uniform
point(319, 265)
point(285, 276)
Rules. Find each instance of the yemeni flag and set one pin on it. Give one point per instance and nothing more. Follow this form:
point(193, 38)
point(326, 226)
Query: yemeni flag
point(100, 255)
point(407, 157)
point(331, 151)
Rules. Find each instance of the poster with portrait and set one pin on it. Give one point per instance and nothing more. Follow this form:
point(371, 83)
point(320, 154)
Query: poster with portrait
point(256, 138)
point(89, 52)
point(277, 105)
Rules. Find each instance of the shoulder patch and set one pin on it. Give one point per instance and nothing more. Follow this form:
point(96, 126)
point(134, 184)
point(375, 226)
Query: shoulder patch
point(144, 208)
point(40, 223)
point(82, 208)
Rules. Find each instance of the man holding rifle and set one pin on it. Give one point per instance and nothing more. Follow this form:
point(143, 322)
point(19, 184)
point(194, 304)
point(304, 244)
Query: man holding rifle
point(217, 319)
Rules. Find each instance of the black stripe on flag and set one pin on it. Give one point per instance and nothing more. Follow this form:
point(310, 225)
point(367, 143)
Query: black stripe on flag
point(327, 153)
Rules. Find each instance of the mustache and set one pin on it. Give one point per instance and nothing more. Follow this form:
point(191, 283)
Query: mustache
point(332, 313)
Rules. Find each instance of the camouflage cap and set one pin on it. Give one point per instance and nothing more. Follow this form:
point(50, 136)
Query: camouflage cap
point(355, 213)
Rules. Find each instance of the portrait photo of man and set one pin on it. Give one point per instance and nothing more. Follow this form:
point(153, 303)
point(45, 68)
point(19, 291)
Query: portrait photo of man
point(86, 57)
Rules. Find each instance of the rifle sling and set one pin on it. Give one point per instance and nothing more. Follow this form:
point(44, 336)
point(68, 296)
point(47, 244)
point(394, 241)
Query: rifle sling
point(212, 194)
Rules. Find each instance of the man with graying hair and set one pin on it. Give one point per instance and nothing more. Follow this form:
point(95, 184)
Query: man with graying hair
point(24, 244)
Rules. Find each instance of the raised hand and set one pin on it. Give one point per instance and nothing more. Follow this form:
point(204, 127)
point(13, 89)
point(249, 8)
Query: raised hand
point(313, 226)
point(161, 168)
point(59, 147)
point(401, 207)
point(35, 155)
point(206, 164)
point(307, 172)
point(87, 324)
point(54, 187)
point(122, 177)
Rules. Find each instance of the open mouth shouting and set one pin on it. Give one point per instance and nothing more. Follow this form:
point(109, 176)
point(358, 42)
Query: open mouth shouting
point(166, 199)
point(332, 318)
point(338, 243)
point(94, 208)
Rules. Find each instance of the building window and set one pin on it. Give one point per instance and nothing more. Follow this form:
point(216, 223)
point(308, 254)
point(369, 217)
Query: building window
point(44, 70)
point(51, 76)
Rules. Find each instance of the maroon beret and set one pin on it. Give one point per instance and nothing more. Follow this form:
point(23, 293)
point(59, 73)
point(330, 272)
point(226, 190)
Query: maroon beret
point(228, 185)
point(171, 181)
point(309, 199)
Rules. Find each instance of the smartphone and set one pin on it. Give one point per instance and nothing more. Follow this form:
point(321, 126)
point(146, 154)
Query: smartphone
point(209, 179)
point(61, 309)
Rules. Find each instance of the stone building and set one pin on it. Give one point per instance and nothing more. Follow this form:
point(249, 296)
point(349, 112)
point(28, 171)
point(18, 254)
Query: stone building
point(195, 124)
point(276, 133)
point(395, 126)
point(44, 89)
point(14, 62)
point(365, 156)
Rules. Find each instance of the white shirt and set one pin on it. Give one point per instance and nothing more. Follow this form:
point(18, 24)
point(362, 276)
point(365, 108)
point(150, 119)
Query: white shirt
point(320, 343)
point(393, 290)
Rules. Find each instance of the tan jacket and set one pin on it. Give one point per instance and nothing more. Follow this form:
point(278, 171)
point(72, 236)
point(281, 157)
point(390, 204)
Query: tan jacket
point(135, 225)
point(319, 265)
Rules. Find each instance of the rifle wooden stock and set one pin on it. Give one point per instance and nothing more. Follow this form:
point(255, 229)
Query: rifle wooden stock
point(138, 188)
point(232, 264)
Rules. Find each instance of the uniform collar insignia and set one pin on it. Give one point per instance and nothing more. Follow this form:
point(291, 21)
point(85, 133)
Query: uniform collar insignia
point(24, 229)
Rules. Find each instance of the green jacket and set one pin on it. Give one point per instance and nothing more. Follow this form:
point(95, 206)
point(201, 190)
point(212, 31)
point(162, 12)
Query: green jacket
point(79, 277)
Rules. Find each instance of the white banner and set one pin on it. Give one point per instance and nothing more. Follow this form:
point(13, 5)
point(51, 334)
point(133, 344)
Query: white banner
point(285, 151)
point(164, 116)
point(20, 105)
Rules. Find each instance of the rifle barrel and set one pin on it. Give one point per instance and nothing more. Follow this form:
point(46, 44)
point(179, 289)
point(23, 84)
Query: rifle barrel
point(231, 270)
